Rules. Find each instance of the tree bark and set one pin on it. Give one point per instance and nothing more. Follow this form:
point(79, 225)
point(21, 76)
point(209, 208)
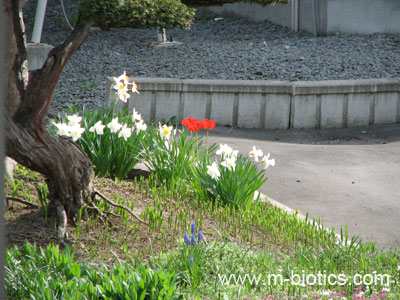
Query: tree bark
point(66, 167)
point(12, 92)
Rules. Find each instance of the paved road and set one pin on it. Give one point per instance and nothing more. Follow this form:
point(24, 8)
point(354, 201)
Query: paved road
point(345, 176)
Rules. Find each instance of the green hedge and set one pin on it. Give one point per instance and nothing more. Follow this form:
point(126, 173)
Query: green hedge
point(137, 14)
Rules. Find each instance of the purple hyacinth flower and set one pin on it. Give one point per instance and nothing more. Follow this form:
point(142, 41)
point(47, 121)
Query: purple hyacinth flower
point(191, 260)
point(199, 237)
point(193, 239)
point(193, 228)
point(186, 238)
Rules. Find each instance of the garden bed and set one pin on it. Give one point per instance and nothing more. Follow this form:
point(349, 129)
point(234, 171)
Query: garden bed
point(157, 221)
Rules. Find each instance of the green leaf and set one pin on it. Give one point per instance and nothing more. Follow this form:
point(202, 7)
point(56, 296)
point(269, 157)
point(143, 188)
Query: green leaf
point(75, 270)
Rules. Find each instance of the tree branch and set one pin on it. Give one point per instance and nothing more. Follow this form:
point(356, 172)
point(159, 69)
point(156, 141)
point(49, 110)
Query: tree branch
point(42, 82)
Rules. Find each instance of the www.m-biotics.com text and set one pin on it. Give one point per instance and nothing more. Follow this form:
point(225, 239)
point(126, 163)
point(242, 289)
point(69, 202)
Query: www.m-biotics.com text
point(303, 279)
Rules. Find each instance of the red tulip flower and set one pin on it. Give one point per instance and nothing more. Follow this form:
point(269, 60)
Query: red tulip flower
point(207, 124)
point(192, 124)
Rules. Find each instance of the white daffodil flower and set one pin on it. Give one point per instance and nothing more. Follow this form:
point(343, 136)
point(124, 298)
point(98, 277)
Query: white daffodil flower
point(125, 132)
point(213, 170)
point(229, 162)
point(63, 129)
point(114, 125)
point(122, 83)
point(136, 116)
point(224, 150)
point(122, 78)
point(255, 153)
point(234, 153)
point(97, 128)
point(268, 162)
point(165, 131)
point(140, 126)
point(74, 120)
point(134, 88)
point(116, 81)
point(120, 87)
point(124, 95)
point(76, 132)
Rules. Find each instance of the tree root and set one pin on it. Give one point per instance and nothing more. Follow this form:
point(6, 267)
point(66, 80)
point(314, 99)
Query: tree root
point(119, 206)
point(99, 212)
point(103, 214)
point(94, 207)
point(63, 219)
point(27, 203)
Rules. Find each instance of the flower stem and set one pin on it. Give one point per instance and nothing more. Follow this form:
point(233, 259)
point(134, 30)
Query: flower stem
point(207, 143)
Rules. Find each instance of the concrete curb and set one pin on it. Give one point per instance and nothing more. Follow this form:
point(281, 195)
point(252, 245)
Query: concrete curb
point(268, 104)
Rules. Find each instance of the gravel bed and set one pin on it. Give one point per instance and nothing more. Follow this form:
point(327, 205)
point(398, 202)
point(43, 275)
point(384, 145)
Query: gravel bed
point(223, 49)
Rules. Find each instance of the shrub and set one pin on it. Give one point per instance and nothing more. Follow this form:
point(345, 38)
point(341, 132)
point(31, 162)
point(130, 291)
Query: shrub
point(138, 14)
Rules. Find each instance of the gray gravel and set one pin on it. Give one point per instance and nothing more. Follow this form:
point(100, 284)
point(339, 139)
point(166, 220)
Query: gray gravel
point(224, 49)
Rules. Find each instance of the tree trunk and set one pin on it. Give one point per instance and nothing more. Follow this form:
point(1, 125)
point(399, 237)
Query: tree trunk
point(66, 167)
point(12, 93)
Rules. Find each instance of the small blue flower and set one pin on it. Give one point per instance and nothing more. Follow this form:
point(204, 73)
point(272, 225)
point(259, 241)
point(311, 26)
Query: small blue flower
point(186, 238)
point(193, 239)
point(191, 260)
point(199, 237)
point(193, 228)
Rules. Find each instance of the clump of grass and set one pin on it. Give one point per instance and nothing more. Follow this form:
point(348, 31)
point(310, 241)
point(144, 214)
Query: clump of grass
point(51, 274)
point(112, 154)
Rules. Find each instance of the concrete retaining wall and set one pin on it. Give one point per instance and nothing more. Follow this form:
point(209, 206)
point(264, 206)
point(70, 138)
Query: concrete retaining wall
point(332, 16)
point(269, 104)
point(279, 14)
point(363, 16)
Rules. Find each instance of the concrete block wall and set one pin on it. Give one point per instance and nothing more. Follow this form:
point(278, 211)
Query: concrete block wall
point(345, 103)
point(268, 104)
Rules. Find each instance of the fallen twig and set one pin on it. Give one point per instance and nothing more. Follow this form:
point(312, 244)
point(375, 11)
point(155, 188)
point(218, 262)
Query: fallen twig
point(27, 203)
point(120, 206)
point(95, 208)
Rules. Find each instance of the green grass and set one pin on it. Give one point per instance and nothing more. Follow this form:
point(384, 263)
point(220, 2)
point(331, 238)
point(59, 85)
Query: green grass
point(34, 273)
